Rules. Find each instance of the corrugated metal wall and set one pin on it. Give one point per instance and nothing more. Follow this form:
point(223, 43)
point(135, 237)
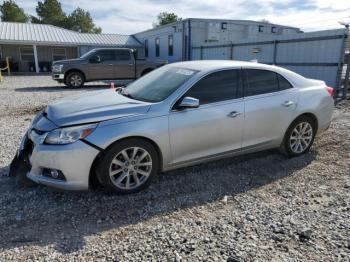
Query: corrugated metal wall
point(314, 55)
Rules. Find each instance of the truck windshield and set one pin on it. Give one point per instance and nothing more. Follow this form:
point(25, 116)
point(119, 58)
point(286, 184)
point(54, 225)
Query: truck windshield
point(86, 55)
point(158, 84)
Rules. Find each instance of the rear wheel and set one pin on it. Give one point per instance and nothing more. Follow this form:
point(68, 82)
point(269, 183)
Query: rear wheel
point(128, 166)
point(146, 71)
point(299, 136)
point(74, 79)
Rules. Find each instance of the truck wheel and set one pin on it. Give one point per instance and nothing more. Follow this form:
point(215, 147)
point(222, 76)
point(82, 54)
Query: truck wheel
point(74, 79)
point(146, 71)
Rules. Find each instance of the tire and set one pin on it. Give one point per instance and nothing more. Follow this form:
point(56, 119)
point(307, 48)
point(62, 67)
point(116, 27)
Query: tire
point(146, 71)
point(296, 143)
point(121, 173)
point(75, 79)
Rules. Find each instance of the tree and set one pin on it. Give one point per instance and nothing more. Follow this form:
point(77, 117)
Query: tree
point(166, 18)
point(11, 12)
point(81, 21)
point(50, 12)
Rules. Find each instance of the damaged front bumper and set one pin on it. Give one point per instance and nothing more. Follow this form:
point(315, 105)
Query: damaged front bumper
point(36, 161)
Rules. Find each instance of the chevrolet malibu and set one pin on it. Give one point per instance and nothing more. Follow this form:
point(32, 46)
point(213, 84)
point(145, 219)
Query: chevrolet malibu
point(178, 115)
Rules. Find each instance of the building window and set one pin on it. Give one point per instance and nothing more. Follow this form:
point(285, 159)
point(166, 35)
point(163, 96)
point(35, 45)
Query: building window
point(59, 54)
point(261, 28)
point(223, 26)
point(27, 53)
point(273, 30)
point(146, 48)
point(171, 45)
point(157, 46)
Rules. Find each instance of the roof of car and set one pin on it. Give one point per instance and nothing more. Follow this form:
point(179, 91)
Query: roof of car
point(209, 65)
point(213, 65)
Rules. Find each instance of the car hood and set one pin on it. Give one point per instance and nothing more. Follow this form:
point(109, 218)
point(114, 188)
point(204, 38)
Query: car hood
point(92, 107)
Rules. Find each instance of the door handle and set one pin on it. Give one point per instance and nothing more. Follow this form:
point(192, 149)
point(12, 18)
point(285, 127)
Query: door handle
point(288, 103)
point(110, 64)
point(130, 64)
point(234, 114)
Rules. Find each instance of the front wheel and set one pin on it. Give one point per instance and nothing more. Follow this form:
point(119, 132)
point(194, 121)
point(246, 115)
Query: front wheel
point(128, 166)
point(74, 79)
point(299, 136)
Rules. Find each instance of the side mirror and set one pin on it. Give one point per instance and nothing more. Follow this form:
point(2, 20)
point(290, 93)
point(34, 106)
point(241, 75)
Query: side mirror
point(95, 59)
point(188, 102)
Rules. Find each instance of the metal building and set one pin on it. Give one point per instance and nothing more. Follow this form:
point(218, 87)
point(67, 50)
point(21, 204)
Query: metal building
point(317, 55)
point(174, 42)
point(33, 47)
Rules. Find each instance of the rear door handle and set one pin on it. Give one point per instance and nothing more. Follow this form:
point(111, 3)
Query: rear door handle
point(288, 103)
point(234, 114)
point(110, 64)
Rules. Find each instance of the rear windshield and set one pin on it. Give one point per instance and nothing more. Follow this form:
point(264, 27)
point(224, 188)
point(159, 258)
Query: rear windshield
point(159, 84)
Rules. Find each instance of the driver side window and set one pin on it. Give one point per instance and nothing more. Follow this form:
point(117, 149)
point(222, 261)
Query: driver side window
point(216, 87)
point(106, 55)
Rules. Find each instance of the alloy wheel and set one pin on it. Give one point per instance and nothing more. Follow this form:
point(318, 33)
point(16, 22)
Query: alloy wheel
point(301, 137)
point(130, 168)
point(76, 80)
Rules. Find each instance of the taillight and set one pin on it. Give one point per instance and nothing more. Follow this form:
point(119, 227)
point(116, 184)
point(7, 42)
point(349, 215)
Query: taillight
point(330, 90)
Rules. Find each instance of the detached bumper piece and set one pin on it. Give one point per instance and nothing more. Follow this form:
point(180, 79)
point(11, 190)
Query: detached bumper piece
point(20, 164)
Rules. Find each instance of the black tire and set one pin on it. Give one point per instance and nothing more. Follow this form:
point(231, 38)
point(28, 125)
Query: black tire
point(104, 166)
point(286, 146)
point(75, 79)
point(146, 71)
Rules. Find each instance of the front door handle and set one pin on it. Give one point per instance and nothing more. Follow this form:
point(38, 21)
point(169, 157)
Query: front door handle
point(288, 103)
point(234, 114)
point(110, 64)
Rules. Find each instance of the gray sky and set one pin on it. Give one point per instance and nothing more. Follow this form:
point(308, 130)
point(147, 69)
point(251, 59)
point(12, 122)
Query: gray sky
point(126, 17)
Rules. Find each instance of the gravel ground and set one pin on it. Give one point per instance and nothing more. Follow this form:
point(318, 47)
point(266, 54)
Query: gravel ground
point(261, 207)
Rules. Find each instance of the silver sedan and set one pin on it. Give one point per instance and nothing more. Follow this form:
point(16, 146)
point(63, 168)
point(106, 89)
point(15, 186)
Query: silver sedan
point(179, 115)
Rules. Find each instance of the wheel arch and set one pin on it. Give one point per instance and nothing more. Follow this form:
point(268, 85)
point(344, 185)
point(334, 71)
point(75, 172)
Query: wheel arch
point(146, 71)
point(307, 114)
point(74, 70)
point(93, 181)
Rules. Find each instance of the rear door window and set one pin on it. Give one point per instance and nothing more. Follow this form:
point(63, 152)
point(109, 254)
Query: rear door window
point(260, 82)
point(283, 83)
point(216, 87)
point(122, 55)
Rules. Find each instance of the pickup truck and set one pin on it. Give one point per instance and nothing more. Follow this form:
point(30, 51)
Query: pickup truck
point(102, 64)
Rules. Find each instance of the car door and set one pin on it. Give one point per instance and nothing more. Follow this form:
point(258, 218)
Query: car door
point(104, 68)
point(124, 65)
point(270, 101)
point(214, 127)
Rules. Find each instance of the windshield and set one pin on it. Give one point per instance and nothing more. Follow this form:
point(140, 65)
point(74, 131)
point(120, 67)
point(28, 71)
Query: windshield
point(158, 84)
point(86, 55)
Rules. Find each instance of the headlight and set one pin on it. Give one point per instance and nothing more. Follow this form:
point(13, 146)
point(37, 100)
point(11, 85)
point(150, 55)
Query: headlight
point(69, 135)
point(57, 68)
